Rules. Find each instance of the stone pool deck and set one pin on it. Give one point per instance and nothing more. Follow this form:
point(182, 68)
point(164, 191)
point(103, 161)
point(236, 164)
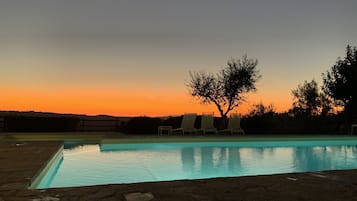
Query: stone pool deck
point(20, 162)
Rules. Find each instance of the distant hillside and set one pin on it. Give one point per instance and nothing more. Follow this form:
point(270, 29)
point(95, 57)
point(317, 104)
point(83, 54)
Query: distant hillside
point(50, 114)
point(45, 121)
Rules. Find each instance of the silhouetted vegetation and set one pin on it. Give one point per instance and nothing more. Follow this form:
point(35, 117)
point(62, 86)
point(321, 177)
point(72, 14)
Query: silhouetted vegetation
point(284, 123)
point(175, 122)
point(262, 120)
point(142, 125)
point(340, 82)
point(40, 124)
point(227, 89)
point(14, 121)
point(306, 98)
point(268, 123)
point(260, 109)
point(309, 101)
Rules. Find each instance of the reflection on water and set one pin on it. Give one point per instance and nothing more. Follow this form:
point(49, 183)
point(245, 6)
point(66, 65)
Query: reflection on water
point(92, 165)
point(234, 163)
point(207, 162)
point(320, 158)
point(188, 159)
point(68, 145)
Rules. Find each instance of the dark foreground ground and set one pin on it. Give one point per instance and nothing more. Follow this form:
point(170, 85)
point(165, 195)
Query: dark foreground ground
point(20, 162)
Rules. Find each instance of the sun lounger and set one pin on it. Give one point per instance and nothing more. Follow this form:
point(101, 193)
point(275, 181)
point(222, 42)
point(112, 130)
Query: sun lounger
point(207, 124)
point(187, 124)
point(233, 125)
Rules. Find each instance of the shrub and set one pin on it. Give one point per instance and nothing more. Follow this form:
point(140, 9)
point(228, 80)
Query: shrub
point(285, 124)
point(175, 122)
point(40, 124)
point(142, 125)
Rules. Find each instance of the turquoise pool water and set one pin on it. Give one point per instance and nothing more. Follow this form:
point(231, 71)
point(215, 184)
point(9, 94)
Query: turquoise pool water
point(132, 163)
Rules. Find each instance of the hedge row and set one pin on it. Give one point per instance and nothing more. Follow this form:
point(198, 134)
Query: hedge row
point(282, 124)
point(265, 124)
point(40, 124)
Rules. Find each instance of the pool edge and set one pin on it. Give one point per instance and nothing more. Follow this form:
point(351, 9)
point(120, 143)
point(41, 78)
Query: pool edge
point(36, 179)
point(230, 138)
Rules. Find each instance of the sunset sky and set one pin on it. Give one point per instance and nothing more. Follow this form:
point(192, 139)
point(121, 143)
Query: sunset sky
point(133, 57)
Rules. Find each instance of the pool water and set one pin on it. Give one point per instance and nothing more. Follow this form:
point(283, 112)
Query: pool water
point(131, 163)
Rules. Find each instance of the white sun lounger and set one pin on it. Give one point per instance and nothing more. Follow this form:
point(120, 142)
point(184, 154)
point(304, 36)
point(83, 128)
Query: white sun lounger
point(187, 124)
point(233, 125)
point(207, 125)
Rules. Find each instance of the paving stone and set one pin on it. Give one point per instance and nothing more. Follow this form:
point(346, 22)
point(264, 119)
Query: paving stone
point(47, 198)
point(257, 189)
point(102, 193)
point(28, 193)
point(11, 186)
point(6, 193)
point(110, 199)
point(139, 196)
point(105, 192)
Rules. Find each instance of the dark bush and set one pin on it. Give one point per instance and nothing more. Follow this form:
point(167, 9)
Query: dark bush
point(142, 125)
point(175, 122)
point(285, 124)
point(40, 124)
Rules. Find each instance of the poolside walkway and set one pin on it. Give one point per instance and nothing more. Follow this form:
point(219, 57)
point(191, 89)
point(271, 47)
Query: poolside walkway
point(19, 162)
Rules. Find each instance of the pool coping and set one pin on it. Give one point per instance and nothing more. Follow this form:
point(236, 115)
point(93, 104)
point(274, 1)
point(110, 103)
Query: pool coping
point(37, 178)
point(229, 138)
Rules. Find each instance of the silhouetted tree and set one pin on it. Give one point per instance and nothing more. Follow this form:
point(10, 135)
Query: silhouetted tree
point(340, 82)
point(260, 109)
point(306, 98)
point(226, 90)
point(327, 104)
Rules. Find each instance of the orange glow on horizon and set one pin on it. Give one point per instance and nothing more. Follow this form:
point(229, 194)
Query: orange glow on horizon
point(114, 102)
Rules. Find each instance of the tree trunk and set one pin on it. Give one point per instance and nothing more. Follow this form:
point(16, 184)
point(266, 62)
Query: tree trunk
point(223, 122)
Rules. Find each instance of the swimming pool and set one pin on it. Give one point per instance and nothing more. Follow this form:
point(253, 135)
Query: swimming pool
point(131, 163)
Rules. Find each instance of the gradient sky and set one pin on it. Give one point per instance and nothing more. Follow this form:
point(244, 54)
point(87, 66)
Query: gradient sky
point(131, 57)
